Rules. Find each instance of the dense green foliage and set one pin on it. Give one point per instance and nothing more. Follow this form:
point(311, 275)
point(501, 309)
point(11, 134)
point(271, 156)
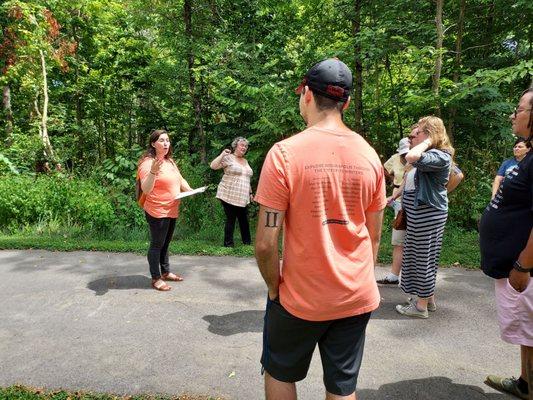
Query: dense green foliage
point(96, 76)
point(56, 200)
point(28, 200)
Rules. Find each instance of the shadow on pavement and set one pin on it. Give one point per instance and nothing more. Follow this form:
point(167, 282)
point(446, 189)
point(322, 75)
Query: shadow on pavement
point(252, 320)
point(237, 322)
point(474, 281)
point(434, 388)
point(387, 311)
point(242, 289)
point(103, 285)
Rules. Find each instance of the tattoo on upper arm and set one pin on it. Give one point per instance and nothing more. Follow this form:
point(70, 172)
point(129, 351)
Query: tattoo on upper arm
point(271, 219)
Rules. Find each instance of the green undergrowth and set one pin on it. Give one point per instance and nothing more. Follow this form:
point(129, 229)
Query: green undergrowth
point(65, 243)
point(27, 393)
point(460, 247)
point(69, 237)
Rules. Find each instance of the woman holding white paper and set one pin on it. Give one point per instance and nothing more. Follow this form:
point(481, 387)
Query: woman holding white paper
point(161, 182)
point(234, 190)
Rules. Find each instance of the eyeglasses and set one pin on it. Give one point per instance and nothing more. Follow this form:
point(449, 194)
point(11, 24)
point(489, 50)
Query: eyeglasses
point(518, 111)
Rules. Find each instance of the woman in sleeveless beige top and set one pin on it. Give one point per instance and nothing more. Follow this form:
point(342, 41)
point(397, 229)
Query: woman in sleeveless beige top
point(234, 190)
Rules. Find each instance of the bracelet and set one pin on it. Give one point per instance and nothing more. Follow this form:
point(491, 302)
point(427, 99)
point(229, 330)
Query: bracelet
point(153, 173)
point(517, 266)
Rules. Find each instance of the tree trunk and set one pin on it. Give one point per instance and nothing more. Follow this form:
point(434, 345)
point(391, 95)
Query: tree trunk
point(488, 32)
point(77, 94)
point(100, 141)
point(79, 118)
point(377, 144)
point(38, 113)
point(198, 133)
point(438, 51)
point(457, 63)
point(142, 140)
point(6, 103)
point(530, 40)
point(44, 114)
point(358, 77)
point(394, 96)
point(201, 131)
point(130, 125)
point(214, 8)
point(459, 41)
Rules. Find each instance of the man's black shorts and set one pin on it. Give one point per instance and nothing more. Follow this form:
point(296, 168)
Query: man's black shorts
point(289, 342)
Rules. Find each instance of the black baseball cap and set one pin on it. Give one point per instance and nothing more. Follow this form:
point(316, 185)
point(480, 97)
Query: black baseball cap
point(330, 78)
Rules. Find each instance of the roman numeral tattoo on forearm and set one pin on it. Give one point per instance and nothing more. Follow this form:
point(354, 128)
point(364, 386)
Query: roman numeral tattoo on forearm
point(271, 219)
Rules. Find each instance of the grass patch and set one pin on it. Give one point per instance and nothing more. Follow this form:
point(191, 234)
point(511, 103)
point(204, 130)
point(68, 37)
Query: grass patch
point(26, 393)
point(71, 237)
point(460, 247)
point(65, 243)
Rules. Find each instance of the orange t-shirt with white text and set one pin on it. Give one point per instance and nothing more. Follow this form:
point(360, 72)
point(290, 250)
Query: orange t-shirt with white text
point(325, 181)
point(161, 201)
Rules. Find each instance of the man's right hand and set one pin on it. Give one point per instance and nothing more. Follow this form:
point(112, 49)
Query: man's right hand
point(519, 280)
point(273, 293)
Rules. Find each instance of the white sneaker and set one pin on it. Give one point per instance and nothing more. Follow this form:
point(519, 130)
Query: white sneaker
point(432, 307)
point(388, 281)
point(411, 310)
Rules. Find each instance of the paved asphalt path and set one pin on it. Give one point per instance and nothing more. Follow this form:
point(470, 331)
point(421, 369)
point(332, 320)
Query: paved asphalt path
point(89, 321)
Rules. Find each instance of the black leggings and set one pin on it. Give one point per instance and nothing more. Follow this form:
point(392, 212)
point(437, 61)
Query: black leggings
point(241, 213)
point(161, 230)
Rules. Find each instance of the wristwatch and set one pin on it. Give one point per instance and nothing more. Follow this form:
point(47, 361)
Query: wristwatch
point(519, 267)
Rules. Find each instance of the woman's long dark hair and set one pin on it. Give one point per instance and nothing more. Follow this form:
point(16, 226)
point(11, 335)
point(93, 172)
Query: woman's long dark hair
point(150, 151)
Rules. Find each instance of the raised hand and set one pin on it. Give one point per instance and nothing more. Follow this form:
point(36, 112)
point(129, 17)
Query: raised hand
point(156, 166)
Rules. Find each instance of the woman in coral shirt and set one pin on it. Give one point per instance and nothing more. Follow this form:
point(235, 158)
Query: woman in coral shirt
point(161, 182)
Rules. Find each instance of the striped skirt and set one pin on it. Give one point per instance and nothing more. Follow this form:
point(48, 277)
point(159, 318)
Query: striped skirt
point(422, 246)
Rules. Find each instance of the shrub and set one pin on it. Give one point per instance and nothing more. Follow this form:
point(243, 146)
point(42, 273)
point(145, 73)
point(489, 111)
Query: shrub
point(24, 153)
point(28, 200)
point(473, 194)
point(117, 176)
point(201, 212)
point(6, 166)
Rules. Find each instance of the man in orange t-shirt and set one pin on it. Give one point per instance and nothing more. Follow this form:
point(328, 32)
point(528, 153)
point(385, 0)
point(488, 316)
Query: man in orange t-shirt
point(326, 186)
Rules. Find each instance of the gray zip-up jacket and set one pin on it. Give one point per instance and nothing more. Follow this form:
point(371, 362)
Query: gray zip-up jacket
point(432, 173)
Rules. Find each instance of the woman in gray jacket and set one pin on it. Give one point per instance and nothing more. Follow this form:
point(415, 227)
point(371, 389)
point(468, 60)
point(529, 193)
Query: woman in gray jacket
point(425, 202)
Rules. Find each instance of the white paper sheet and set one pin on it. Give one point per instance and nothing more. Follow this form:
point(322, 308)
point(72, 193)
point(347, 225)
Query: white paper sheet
point(191, 192)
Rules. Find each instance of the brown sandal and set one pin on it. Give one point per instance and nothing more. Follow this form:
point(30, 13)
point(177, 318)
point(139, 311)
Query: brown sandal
point(158, 284)
point(171, 277)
